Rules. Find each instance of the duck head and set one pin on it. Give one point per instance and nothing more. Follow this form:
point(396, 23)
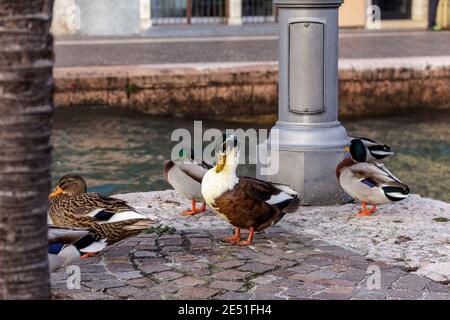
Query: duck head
point(365, 150)
point(228, 158)
point(71, 185)
point(357, 150)
point(186, 154)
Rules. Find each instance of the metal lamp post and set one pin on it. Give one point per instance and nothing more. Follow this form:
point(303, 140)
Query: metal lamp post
point(311, 139)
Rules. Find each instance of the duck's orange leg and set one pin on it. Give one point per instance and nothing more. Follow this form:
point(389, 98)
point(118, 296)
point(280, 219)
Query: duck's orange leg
point(234, 239)
point(249, 240)
point(194, 210)
point(365, 211)
point(88, 255)
point(202, 208)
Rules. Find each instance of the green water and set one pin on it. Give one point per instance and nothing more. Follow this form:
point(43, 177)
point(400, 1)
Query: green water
point(121, 151)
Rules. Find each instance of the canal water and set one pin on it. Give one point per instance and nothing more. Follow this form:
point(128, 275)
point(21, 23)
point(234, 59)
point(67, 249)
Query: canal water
point(119, 151)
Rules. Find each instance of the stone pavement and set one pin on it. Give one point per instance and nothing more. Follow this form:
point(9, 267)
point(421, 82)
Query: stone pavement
point(287, 261)
point(195, 264)
point(216, 46)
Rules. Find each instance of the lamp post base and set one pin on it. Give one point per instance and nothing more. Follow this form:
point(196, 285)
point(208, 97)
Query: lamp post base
point(307, 157)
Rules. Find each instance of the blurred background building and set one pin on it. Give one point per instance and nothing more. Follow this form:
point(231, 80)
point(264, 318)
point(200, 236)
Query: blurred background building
point(118, 17)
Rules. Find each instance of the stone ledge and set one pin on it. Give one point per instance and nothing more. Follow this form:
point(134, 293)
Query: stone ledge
point(218, 90)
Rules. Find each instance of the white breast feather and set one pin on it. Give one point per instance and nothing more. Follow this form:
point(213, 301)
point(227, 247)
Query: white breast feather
point(215, 184)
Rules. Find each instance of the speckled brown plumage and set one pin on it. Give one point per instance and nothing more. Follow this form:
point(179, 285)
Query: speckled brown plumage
point(71, 211)
point(245, 206)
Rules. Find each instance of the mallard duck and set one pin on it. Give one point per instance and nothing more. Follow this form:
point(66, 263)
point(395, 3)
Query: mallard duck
point(185, 176)
point(246, 203)
point(367, 150)
point(66, 245)
point(71, 206)
point(369, 182)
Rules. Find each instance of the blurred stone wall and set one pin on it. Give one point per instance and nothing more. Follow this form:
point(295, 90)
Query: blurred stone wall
point(250, 90)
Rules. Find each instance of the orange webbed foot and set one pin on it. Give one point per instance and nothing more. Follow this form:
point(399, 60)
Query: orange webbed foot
point(363, 213)
point(235, 239)
point(232, 240)
point(366, 212)
point(249, 240)
point(194, 210)
point(88, 255)
point(190, 212)
point(245, 243)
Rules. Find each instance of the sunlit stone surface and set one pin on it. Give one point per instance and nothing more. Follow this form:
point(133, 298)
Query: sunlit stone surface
point(413, 234)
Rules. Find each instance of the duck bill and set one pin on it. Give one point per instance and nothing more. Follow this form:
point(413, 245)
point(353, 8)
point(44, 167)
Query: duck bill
point(230, 150)
point(347, 149)
point(221, 162)
point(55, 193)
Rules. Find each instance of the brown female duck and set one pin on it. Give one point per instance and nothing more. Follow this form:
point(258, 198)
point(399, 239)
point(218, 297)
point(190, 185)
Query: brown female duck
point(106, 217)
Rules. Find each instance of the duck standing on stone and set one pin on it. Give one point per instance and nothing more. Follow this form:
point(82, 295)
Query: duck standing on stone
point(368, 181)
point(185, 176)
point(246, 203)
point(66, 245)
point(71, 206)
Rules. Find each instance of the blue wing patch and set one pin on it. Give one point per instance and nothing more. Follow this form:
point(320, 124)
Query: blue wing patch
point(55, 248)
point(369, 182)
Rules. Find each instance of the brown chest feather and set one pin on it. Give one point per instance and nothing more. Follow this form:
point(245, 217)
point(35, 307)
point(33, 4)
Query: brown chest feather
point(244, 211)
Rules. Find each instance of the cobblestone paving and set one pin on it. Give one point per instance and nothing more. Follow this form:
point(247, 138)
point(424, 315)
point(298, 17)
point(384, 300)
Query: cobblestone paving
point(413, 234)
point(196, 264)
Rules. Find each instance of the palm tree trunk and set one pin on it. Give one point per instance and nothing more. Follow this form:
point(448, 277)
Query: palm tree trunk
point(26, 107)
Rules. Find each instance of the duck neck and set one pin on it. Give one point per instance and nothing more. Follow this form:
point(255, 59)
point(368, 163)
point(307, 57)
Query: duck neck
point(167, 166)
point(229, 175)
point(347, 162)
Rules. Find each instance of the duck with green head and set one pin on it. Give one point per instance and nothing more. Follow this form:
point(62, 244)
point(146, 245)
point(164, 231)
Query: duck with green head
point(367, 150)
point(366, 180)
